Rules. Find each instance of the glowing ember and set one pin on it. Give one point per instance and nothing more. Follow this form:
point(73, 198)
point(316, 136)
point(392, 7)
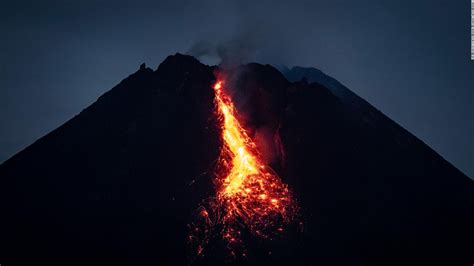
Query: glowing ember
point(250, 196)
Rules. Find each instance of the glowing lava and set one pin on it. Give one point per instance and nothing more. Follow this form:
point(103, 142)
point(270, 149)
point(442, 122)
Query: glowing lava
point(251, 199)
point(249, 194)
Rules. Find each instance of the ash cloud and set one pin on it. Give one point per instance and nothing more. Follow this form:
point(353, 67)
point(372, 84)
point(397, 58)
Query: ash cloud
point(240, 49)
point(252, 37)
point(202, 48)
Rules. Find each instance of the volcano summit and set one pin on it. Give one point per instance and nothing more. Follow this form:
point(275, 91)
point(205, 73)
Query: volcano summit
point(123, 181)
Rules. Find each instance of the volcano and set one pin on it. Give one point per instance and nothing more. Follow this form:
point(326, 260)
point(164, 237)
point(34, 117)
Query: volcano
point(122, 182)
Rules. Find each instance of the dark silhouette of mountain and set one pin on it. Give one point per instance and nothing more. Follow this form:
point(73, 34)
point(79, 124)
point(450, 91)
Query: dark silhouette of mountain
point(119, 183)
point(370, 115)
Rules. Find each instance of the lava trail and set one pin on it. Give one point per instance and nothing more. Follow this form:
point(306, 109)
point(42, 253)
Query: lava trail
point(250, 195)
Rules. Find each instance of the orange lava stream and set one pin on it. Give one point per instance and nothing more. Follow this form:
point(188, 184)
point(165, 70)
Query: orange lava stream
point(250, 194)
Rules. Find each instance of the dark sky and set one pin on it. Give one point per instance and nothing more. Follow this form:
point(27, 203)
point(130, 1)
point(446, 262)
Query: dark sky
point(408, 58)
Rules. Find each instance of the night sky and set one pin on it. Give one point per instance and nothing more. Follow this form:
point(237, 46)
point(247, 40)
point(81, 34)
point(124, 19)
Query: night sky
point(410, 59)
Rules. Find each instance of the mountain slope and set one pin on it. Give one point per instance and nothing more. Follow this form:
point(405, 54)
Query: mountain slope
point(113, 182)
point(366, 112)
point(412, 199)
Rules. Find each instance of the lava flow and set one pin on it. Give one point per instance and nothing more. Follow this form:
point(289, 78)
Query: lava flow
point(250, 196)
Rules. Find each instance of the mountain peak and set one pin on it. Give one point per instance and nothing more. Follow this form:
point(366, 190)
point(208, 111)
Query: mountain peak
point(179, 60)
